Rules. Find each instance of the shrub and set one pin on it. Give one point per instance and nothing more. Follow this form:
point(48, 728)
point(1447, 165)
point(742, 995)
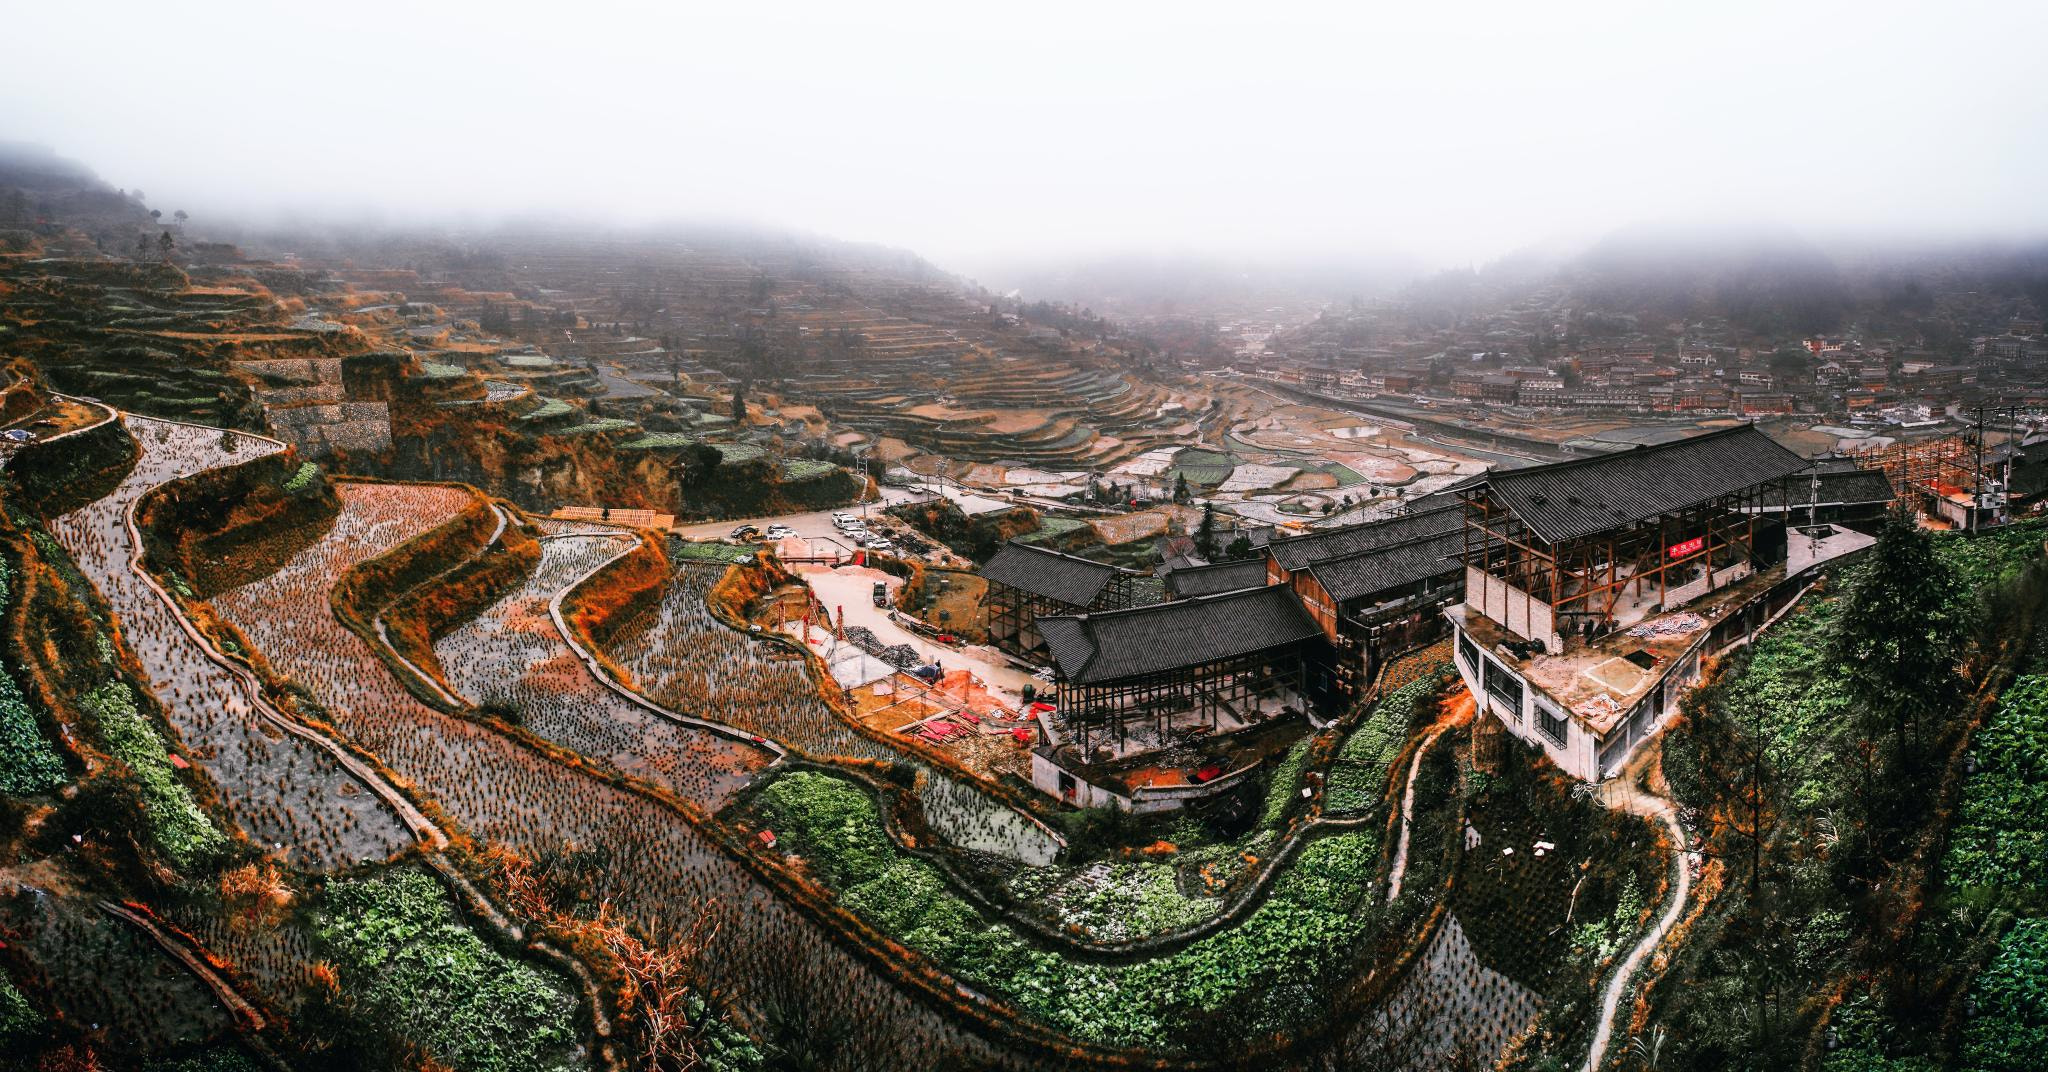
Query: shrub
point(2009, 1030)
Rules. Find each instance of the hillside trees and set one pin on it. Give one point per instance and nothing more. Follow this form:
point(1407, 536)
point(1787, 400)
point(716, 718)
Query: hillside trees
point(1899, 642)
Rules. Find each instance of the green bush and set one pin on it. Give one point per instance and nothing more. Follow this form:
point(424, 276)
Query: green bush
point(19, 1020)
point(303, 478)
point(1285, 785)
point(28, 762)
point(2001, 832)
point(2009, 1028)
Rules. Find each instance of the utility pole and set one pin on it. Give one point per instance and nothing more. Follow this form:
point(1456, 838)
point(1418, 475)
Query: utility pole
point(863, 458)
point(1977, 474)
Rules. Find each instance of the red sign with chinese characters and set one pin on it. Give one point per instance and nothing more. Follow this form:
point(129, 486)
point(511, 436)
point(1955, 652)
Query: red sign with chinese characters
point(1686, 547)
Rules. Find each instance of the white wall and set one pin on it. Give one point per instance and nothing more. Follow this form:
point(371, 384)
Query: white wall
point(1519, 612)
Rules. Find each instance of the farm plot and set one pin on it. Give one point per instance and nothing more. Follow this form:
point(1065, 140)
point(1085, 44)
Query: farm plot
point(1450, 1011)
point(1270, 974)
point(284, 792)
point(684, 658)
point(658, 867)
point(99, 970)
point(511, 657)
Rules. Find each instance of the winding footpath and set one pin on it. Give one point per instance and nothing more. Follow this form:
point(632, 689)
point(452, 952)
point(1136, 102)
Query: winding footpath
point(1624, 794)
point(1399, 870)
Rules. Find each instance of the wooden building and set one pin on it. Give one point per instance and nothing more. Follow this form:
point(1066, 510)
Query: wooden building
point(1596, 589)
point(1210, 664)
point(1833, 489)
point(1580, 547)
point(1026, 582)
point(1374, 589)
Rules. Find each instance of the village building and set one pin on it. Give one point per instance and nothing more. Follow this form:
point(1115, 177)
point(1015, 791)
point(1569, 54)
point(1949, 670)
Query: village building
point(1595, 588)
point(1132, 683)
point(1301, 630)
point(1833, 489)
point(1026, 583)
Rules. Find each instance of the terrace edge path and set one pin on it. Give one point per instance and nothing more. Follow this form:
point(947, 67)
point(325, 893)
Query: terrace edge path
point(154, 626)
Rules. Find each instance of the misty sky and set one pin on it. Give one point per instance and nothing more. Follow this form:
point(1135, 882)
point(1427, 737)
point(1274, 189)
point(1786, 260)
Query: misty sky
point(973, 133)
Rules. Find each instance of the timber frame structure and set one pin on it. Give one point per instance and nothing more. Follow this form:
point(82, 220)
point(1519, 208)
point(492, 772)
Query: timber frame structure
point(1551, 551)
point(1026, 583)
point(1583, 580)
point(1223, 663)
point(1208, 691)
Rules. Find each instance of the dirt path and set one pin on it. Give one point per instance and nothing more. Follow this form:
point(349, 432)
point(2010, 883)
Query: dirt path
point(1400, 868)
point(1456, 711)
point(1625, 794)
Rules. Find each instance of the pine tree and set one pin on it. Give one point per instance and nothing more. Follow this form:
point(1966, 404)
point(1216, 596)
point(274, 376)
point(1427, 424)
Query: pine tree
point(1205, 533)
point(1901, 636)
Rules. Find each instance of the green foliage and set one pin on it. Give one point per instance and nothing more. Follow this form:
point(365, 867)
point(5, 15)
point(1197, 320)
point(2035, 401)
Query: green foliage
point(303, 478)
point(19, 1020)
point(176, 822)
point(1113, 900)
point(721, 1046)
point(434, 370)
point(806, 469)
point(820, 810)
point(658, 441)
point(212, 1059)
point(1902, 634)
point(1358, 776)
point(549, 409)
point(2008, 1031)
point(708, 550)
point(1285, 785)
point(601, 424)
point(412, 966)
point(735, 453)
point(2001, 832)
point(1260, 976)
point(28, 762)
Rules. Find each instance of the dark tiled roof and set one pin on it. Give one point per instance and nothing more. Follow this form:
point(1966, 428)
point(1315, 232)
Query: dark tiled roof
point(1296, 552)
point(1065, 578)
point(1442, 497)
point(1568, 500)
point(1111, 645)
point(1191, 581)
point(1841, 483)
point(1365, 574)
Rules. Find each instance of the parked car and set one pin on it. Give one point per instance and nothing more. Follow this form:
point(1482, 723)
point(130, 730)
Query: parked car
point(746, 532)
point(780, 532)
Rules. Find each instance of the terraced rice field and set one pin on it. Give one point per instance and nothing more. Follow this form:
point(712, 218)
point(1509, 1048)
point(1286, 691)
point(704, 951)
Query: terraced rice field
point(682, 657)
point(659, 868)
point(283, 791)
point(511, 654)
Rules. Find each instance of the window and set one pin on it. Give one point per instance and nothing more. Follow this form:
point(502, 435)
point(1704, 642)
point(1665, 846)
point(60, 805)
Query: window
point(1551, 723)
point(1468, 651)
point(1505, 687)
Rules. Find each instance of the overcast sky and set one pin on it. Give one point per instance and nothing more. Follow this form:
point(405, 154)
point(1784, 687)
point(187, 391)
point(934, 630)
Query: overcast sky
point(977, 132)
